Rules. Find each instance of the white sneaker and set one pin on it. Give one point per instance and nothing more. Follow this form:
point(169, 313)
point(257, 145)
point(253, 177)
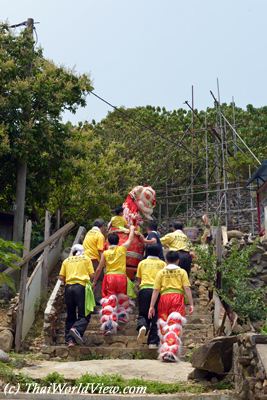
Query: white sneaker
point(141, 335)
point(152, 346)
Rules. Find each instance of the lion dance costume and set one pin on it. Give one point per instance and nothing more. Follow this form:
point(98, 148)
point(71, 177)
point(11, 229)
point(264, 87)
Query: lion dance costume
point(170, 332)
point(116, 305)
point(115, 310)
point(139, 204)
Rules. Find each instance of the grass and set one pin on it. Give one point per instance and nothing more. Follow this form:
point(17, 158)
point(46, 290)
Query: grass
point(152, 386)
point(8, 375)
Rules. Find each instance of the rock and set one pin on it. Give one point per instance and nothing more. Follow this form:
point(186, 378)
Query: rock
point(191, 345)
point(264, 256)
point(62, 353)
point(4, 357)
point(198, 375)
point(256, 258)
point(215, 356)
point(264, 278)
point(259, 268)
point(235, 234)
point(214, 380)
point(258, 385)
point(6, 340)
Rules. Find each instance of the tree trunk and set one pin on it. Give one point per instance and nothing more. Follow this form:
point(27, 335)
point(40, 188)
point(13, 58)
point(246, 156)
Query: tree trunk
point(20, 201)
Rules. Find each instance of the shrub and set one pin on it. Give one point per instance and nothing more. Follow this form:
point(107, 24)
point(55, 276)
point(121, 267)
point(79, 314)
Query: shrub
point(8, 257)
point(236, 290)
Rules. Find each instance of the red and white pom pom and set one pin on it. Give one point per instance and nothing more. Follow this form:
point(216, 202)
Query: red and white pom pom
point(122, 314)
point(107, 310)
point(109, 301)
point(109, 324)
point(176, 318)
point(162, 327)
point(176, 328)
point(166, 350)
point(171, 339)
point(125, 302)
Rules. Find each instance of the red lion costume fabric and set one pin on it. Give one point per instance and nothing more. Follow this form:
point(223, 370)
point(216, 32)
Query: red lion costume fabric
point(139, 204)
point(170, 332)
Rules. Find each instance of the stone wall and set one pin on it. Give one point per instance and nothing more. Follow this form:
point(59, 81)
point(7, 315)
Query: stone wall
point(51, 318)
point(249, 357)
point(258, 259)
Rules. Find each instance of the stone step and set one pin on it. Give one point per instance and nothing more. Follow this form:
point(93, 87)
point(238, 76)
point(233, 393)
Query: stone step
point(130, 329)
point(196, 319)
point(96, 339)
point(77, 353)
point(85, 352)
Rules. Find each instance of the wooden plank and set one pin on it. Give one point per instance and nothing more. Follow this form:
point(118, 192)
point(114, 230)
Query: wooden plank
point(38, 249)
point(46, 252)
point(58, 219)
point(224, 235)
point(265, 221)
point(218, 250)
point(23, 283)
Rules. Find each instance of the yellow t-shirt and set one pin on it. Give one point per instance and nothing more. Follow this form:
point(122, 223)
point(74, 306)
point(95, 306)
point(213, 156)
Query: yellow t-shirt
point(118, 222)
point(171, 280)
point(93, 243)
point(176, 241)
point(147, 271)
point(76, 269)
point(115, 258)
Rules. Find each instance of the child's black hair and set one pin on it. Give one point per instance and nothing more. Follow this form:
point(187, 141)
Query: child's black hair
point(177, 225)
point(113, 239)
point(153, 226)
point(153, 250)
point(99, 223)
point(172, 257)
point(118, 210)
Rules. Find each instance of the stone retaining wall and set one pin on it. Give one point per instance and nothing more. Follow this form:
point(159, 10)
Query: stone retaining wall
point(249, 357)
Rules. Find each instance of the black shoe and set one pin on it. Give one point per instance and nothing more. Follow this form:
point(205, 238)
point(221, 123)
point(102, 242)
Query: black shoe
point(76, 335)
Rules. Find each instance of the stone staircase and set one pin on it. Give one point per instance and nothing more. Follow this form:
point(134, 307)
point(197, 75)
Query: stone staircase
point(124, 345)
point(198, 330)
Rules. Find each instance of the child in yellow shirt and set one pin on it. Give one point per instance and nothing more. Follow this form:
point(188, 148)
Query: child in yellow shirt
point(118, 221)
point(171, 283)
point(146, 275)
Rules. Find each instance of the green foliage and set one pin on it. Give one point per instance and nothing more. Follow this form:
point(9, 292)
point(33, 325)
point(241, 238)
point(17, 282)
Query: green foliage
point(152, 386)
point(8, 375)
point(8, 257)
point(246, 301)
point(264, 328)
point(54, 377)
point(34, 93)
point(237, 291)
point(207, 260)
point(88, 169)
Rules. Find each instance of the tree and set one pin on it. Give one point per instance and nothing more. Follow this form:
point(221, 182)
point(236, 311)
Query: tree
point(8, 259)
point(94, 177)
point(31, 107)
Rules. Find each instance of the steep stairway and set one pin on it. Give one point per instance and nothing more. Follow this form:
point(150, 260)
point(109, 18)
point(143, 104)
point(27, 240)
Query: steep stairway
point(124, 345)
point(198, 330)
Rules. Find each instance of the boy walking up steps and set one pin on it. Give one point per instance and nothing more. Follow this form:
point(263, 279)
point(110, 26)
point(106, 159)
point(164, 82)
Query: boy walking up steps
point(146, 274)
point(171, 283)
point(115, 302)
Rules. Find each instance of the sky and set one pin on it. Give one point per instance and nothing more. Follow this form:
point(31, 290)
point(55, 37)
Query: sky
point(151, 52)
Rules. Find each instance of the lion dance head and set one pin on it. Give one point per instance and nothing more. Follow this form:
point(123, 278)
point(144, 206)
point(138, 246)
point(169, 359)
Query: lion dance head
point(139, 204)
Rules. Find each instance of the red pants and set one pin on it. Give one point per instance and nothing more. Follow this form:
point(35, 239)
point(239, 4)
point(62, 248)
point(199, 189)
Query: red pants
point(114, 284)
point(171, 302)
